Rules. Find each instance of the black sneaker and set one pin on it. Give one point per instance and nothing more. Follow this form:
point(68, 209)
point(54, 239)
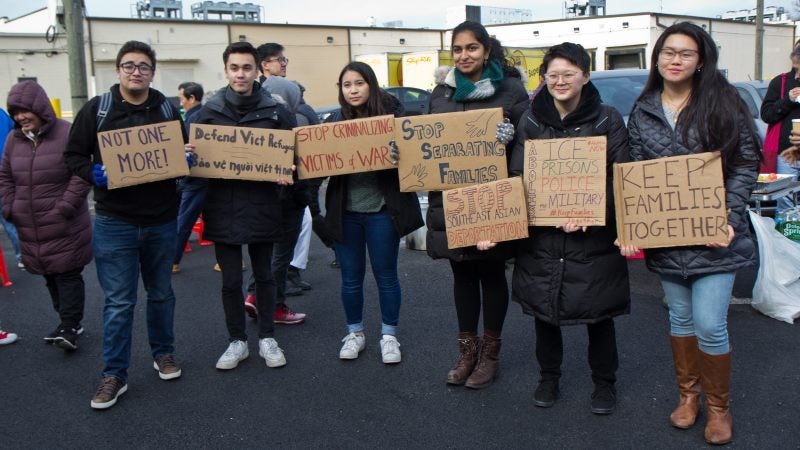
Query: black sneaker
point(604, 399)
point(67, 338)
point(293, 276)
point(51, 338)
point(546, 393)
point(292, 291)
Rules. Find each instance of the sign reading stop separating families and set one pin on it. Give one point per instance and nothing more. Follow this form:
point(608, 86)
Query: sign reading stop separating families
point(485, 212)
point(242, 153)
point(671, 202)
point(143, 154)
point(565, 180)
point(445, 151)
point(338, 148)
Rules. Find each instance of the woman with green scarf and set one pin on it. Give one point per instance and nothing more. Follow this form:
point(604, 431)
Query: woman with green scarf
point(481, 79)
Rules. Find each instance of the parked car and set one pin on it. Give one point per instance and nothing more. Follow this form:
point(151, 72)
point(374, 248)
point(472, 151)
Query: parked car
point(753, 92)
point(620, 88)
point(415, 101)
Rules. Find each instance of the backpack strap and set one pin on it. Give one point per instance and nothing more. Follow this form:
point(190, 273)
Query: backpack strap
point(106, 101)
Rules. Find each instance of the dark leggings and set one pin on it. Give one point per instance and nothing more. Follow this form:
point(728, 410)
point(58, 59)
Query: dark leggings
point(470, 278)
point(603, 359)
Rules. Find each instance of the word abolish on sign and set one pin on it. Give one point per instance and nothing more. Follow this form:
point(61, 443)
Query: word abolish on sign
point(444, 151)
point(242, 153)
point(143, 154)
point(671, 202)
point(565, 179)
point(485, 212)
point(360, 145)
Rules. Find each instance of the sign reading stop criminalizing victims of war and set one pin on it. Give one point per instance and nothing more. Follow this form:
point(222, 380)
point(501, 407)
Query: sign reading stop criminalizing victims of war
point(242, 153)
point(445, 151)
point(485, 212)
point(565, 180)
point(671, 202)
point(144, 154)
point(339, 148)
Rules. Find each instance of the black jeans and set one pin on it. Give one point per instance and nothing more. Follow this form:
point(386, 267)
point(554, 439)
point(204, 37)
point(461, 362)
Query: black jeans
point(283, 252)
point(229, 257)
point(68, 293)
point(470, 278)
point(603, 359)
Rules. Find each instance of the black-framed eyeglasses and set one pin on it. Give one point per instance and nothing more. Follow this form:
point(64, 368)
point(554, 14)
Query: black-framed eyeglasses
point(129, 68)
point(281, 60)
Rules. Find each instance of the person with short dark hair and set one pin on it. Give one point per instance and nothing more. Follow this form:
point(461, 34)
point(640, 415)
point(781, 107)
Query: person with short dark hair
point(272, 62)
point(135, 226)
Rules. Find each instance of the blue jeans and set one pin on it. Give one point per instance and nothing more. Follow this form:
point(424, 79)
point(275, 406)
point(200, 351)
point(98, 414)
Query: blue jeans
point(121, 251)
point(785, 203)
point(193, 194)
point(698, 306)
point(11, 231)
point(373, 232)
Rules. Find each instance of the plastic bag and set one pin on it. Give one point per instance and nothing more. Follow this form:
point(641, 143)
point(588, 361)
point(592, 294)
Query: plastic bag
point(777, 289)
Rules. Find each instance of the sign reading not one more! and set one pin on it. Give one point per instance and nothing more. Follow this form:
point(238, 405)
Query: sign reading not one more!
point(242, 153)
point(671, 202)
point(445, 151)
point(339, 148)
point(485, 212)
point(565, 181)
point(144, 154)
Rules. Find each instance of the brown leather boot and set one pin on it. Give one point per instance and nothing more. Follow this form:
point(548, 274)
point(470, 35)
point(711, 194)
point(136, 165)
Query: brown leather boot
point(467, 358)
point(686, 355)
point(715, 375)
point(488, 361)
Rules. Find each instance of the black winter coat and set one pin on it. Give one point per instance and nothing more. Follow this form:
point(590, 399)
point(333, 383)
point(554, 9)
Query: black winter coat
point(571, 278)
point(241, 211)
point(652, 137)
point(512, 97)
point(780, 108)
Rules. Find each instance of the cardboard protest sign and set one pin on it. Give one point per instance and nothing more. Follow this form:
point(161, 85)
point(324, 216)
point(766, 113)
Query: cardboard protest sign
point(338, 148)
point(445, 151)
point(143, 154)
point(485, 212)
point(671, 202)
point(242, 153)
point(565, 179)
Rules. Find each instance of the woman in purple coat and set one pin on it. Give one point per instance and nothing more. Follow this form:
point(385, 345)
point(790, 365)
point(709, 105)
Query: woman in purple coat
point(48, 205)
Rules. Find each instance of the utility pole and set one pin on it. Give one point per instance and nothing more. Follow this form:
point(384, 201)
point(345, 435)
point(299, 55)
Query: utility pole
point(759, 40)
point(73, 21)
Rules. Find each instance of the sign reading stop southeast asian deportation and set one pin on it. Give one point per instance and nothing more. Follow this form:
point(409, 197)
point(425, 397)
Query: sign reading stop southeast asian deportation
point(485, 212)
point(242, 153)
point(671, 202)
point(565, 180)
point(445, 151)
point(143, 154)
point(338, 148)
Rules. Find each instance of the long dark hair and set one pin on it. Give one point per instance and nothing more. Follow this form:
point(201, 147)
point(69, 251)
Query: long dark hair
point(714, 106)
point(495, 48)
point(379, 102)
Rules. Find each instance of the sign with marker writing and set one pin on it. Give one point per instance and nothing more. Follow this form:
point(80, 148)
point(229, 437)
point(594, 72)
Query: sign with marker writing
point(445, 151)
point(143, 154)
point(485, 212)
point(242, 153)
point(671, 202)
point(565, 180)
point(338, 148)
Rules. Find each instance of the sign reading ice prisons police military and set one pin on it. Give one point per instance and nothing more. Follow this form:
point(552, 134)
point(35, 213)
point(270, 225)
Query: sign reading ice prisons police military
point(144, 154)
point(445, 151)
point(242, 153)
point(338, 148)
point(671, 202)
point(565, 180)
point(485, 212)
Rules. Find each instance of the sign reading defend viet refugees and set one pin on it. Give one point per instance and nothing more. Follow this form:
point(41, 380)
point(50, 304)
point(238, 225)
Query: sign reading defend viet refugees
point(338, 148)
point(671, 202)
point(144, 154)
point(242, 153)
point(485, 212)
point(565, 180)
point(445, 151)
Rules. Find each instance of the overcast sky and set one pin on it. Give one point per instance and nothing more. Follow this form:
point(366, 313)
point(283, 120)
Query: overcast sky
point(413, 13)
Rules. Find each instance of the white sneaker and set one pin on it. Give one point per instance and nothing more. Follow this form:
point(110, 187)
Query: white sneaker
point(353, 344)
point(390, 349)
point(236, 352)
point(269, 350)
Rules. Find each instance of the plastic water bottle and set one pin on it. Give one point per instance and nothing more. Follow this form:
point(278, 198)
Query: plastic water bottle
point(791, 225)
point(780, 219)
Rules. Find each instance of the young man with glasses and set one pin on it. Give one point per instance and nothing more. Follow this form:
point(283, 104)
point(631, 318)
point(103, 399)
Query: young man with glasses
point(135, 227)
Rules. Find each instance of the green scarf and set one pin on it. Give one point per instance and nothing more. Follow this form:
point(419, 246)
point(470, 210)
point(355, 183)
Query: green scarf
point(466, 90)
